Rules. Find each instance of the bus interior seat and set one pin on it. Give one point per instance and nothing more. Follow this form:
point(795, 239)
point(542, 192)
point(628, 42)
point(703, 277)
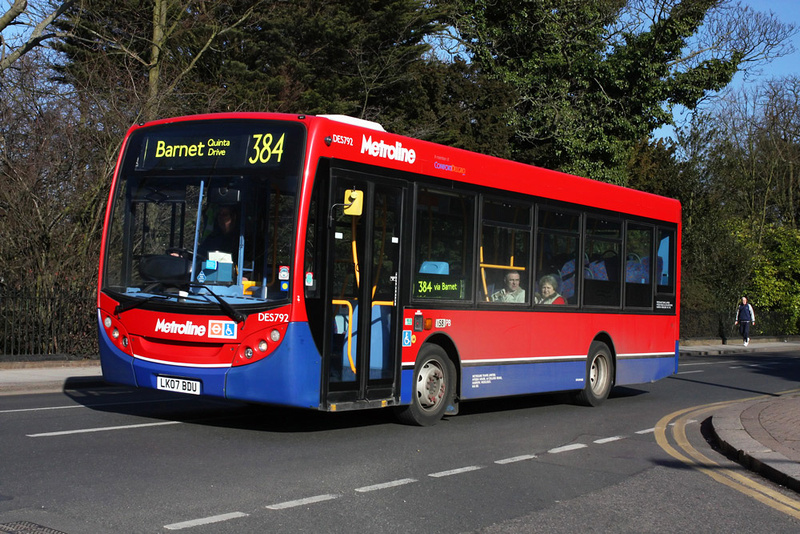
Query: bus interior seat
point(637, 271)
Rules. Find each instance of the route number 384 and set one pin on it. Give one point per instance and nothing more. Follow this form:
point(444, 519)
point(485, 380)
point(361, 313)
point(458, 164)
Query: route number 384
point(264, 148)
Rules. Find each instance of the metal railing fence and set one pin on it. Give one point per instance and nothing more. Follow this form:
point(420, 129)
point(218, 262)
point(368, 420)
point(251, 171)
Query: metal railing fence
point(47, 324)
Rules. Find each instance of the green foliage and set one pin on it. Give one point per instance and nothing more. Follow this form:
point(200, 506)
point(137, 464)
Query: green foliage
point(775, 284)
point(585, 98)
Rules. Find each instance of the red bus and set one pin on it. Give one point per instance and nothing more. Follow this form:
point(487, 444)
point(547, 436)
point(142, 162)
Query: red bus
point(322, 262)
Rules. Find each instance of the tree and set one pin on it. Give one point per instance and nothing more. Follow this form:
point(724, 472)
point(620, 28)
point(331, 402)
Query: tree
point(592, 79)
point(34, 26)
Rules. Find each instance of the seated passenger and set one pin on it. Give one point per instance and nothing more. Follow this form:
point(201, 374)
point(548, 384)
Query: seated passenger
point(512, 292)
point(548, 291)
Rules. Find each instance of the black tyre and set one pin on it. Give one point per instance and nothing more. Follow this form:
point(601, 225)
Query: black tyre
point(599, 376)
point(433, 389)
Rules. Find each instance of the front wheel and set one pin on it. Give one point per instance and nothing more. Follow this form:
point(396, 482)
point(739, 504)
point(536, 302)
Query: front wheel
point(433, 390)
point(599, 376)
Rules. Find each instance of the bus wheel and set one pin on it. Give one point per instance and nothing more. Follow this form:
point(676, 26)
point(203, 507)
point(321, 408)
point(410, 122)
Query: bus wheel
point(433, 390)
point(599, 376)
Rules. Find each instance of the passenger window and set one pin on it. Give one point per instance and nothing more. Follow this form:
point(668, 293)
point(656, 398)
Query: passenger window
point(443, 245)
point(665, 264)
point(639, 266)
point(557, 260)
point(504, 252)
point(602, 262)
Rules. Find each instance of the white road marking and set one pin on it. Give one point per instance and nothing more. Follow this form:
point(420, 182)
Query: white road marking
point(386, 485)
point(43, 409)
point(303, 502)
point(705, 363)
point(690, 372)
point(205, 521)
point(455, 471)
point(103, 405)
point(608, 440)
point(646, 431)
point(516, 459)
point(100, 429)
point(566, 448)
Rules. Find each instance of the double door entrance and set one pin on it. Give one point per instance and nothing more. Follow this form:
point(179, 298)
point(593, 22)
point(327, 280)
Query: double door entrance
point(363, 267)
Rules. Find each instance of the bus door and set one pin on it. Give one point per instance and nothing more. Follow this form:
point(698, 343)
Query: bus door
point(365, 226)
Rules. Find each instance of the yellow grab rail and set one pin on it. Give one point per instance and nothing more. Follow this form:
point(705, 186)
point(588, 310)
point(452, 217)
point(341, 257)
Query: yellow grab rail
point(349, 330)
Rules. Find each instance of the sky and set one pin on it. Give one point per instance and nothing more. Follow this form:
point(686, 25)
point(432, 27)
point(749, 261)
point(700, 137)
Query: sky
point(786, 11)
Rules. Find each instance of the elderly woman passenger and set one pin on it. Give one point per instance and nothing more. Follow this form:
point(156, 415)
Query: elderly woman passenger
point(548, 291)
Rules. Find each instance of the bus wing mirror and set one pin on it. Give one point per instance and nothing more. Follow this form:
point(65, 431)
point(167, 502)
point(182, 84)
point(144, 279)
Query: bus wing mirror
point(353, 202)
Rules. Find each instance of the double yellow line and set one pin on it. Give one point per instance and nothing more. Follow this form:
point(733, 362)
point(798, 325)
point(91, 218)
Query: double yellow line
point(676, 423)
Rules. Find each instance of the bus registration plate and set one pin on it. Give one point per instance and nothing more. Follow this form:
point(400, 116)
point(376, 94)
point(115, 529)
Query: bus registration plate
point(179, 385)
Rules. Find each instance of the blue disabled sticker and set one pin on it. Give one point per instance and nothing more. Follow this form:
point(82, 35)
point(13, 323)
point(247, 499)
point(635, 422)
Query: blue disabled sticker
point(406, 338)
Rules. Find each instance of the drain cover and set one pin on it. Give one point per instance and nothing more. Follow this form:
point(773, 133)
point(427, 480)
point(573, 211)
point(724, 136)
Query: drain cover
point(26, 527)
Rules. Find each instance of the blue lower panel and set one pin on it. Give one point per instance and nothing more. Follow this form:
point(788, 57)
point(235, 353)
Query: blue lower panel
point(518, 379)
point(639, 371)
point(290, 376)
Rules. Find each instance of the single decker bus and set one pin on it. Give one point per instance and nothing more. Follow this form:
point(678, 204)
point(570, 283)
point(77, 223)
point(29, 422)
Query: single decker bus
point(321, 262)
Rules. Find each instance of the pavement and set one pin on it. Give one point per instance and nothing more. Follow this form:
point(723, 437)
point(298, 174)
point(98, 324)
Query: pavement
point(763, 434)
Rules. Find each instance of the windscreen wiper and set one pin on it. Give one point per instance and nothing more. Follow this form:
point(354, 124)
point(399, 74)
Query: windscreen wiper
point(138, 302)
point(158, 296)
point(229, 310)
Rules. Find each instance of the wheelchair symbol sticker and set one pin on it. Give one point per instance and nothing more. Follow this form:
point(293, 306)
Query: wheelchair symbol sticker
point(407, 338)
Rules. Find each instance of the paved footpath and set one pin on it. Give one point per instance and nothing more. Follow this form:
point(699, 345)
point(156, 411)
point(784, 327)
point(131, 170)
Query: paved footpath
point(763, 434)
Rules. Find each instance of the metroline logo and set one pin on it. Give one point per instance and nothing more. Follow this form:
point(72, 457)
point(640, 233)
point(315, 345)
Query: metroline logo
point(379, 149)
point(216, 329)
point(186, 329)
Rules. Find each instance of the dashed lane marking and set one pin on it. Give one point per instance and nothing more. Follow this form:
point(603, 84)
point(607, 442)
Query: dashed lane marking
point(608, 440)
point(396, 483)
point(386, 485)
point(205, 521)
point(567, 448)
point(458, 471)
point(303, 502)
point(515, 459)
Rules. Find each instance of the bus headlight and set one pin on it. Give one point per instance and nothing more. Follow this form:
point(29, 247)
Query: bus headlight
point(275, 336)
point(248, 352)
point(262, 346)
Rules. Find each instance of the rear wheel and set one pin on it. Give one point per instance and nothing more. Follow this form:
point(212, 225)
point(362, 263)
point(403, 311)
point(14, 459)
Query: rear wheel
point(599, 375)
point(433, 390)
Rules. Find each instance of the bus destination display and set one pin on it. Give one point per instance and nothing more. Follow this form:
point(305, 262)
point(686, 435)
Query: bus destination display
point(258, 146)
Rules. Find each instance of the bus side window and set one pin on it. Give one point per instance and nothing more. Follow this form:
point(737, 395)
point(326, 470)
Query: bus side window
point(665, 265)
point(603, 246)
point(443, 245)
point(638, 278)
point(505, 252)
point(557, 251)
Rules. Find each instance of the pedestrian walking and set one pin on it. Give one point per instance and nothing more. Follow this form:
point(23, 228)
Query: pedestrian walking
point(745, 316)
